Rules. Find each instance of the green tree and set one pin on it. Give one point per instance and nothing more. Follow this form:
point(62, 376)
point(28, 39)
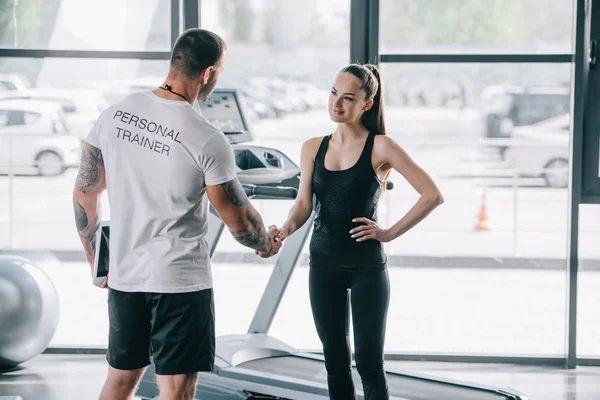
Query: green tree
point(237, 17)
point(474, 22)
point(28, 17)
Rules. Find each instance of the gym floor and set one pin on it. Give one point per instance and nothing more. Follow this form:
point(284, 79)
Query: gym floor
point(80, 377)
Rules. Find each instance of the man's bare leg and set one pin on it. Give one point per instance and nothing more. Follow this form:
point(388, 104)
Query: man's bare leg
point(120, 384)
point(177, 387)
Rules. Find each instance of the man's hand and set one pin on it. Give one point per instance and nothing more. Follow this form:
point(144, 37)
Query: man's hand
point(276, 243)
point(104, 283)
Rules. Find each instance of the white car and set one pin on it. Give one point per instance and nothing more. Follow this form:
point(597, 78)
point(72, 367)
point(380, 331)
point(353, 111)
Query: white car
point(13, 82)
point(34, 139)
point(542, 150)
point(80, 106)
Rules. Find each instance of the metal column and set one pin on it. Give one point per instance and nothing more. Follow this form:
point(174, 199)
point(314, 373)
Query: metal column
point(580, 88)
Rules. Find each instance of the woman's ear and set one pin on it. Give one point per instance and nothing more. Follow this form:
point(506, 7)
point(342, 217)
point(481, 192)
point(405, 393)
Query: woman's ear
point(368, 105)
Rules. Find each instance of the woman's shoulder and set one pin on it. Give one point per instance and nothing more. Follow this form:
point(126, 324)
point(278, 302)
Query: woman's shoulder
point(314, 142)
point(311, 146)
point(382, 142)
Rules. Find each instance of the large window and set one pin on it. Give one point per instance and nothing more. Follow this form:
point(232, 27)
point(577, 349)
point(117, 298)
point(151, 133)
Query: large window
point(281, 56)
point(494, 130)
point(493, 26)
point(40, 148)
point(485, 274)
point(86, 25)
point(588, 337)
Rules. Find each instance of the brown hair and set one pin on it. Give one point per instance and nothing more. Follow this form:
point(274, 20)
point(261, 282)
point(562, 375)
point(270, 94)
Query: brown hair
point(195, 50)
point(370, 77)
point(372, 119)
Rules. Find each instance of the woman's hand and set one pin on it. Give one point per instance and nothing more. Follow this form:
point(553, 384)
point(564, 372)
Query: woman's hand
point(277, 236)
point(369, 231)
point(282, 233)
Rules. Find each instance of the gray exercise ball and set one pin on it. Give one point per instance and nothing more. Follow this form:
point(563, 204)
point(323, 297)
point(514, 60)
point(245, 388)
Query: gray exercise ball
point(29, 310)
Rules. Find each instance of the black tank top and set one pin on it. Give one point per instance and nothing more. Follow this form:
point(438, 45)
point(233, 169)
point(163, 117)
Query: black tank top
point(340, 197)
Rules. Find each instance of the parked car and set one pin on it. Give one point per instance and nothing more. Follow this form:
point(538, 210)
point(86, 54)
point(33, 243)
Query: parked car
point(13, 82)
point(34, 139)
point(542, 150)
point(505, 107)
point(80, 106)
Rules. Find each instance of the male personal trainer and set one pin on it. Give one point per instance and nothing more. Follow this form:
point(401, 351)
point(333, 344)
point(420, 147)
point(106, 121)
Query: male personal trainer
point(161, 162)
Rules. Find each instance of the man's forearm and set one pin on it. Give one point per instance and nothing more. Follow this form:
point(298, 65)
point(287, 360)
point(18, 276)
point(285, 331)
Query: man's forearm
point(253, 233)
point(87, 218)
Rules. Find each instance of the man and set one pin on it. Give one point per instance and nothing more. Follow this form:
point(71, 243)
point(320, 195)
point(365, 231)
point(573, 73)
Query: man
point(160, 159)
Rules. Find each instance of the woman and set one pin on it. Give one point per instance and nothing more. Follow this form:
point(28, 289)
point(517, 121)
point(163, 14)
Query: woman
point(346, 171)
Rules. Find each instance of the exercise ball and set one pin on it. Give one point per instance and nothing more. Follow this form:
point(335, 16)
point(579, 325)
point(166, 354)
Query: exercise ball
point(29, 310)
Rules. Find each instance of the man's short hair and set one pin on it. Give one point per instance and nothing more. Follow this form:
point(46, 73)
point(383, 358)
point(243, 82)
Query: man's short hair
point(195, 50)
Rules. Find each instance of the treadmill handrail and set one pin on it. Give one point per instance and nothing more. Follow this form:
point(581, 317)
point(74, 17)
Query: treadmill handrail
point(274, 192)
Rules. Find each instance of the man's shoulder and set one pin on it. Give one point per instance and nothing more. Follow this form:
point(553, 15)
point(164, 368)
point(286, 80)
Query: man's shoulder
point(129, 101)
point(206, 130)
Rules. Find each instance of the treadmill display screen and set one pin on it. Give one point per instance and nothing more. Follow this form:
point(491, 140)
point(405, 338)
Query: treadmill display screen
point(223, 111)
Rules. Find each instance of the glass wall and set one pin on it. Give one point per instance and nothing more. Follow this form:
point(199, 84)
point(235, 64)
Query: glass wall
point(484, 273)
point(471, 26)
point(40, 145)
point(280, 55)
point(283, 55)
point(86, 25)
point(588, 330)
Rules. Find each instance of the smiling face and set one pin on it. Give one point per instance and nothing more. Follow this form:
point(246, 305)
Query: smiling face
point(347, 100)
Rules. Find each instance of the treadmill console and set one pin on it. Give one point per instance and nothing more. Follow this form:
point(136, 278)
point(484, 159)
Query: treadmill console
point(226, 109)
point(256, 165)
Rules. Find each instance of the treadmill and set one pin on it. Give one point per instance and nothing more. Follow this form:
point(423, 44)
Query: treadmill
point(254, 365)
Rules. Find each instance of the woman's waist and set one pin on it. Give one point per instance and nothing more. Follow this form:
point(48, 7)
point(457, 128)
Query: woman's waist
point(344, 245)
point(340, 223)
point(325, 255)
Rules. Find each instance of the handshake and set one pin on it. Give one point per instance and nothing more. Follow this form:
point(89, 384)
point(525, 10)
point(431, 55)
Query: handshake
point(278, 235)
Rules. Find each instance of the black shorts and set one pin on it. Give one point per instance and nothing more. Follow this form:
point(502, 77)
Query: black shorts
point(174, 330)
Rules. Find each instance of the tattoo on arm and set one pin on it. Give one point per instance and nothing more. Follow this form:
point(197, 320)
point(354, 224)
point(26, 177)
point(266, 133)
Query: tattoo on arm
point(235, 192)
point(252, 235)
point(91, 237)
point(87, 231)
point(80, 216)
point(89, 170)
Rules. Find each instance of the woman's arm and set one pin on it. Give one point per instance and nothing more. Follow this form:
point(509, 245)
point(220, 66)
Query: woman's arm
point(302, 208)
point(395, 157)
point(388, 154)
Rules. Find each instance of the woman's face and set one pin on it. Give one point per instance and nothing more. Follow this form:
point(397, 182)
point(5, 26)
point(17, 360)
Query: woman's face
point(347, 100)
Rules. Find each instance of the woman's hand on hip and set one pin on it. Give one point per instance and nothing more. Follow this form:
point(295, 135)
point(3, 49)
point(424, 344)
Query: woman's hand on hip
point(370, 230)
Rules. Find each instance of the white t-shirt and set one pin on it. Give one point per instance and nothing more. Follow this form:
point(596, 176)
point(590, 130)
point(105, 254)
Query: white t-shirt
point(159, 155)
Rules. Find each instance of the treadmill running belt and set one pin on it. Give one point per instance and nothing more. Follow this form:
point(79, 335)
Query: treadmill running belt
point(409, 388)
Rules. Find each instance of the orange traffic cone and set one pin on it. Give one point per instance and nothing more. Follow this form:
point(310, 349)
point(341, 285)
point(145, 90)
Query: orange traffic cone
point(482, 223)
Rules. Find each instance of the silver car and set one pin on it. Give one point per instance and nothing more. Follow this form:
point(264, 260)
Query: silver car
point(35, 139)
point(542, 150)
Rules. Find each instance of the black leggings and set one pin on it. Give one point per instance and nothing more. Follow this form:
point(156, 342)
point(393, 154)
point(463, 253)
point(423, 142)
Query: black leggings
point(370, 295)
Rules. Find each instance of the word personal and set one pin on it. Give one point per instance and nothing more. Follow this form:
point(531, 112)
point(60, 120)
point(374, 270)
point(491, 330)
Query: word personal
point(144, 124)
